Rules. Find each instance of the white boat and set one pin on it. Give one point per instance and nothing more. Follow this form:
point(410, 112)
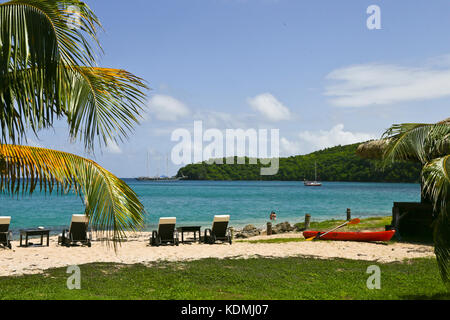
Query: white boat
point(159, 177)
point(314, 183)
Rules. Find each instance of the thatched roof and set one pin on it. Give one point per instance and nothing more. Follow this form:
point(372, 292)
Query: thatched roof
point(446, 121)
point(372, 149)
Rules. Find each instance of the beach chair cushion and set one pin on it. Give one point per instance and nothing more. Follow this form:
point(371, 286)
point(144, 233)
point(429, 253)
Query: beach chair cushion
point(166, 228)
point(5, 235)
point(220, 226)
point(222, 218)
point(4, 224)
point(170, 220)
point(79, 227)
point(81, 218)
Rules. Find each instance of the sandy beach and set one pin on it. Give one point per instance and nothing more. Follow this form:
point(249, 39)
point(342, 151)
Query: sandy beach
point(33, 260)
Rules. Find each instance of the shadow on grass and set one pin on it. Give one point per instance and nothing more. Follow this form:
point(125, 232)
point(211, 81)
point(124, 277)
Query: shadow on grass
point(415, 240)
point(439, 296)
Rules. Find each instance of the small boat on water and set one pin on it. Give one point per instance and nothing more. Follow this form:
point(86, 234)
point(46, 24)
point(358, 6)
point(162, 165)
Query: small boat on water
point(159, 179)
point(352, 236)
point(163, 178)
point(314, 183)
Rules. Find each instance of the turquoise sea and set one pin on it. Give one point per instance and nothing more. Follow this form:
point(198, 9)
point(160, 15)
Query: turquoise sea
point(248, 202)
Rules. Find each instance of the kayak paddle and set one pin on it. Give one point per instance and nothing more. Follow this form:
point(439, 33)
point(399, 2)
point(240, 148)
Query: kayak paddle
point(354, 221)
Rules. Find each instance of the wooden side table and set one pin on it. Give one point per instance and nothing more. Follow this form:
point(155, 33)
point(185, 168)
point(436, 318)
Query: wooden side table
point(34, 232)
point(193, 229)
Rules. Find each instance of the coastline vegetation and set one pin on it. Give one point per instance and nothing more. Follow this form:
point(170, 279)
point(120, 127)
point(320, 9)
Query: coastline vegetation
point(339, 163)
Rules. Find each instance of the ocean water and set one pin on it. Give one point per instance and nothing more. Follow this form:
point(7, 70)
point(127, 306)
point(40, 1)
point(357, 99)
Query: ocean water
point(248, 202)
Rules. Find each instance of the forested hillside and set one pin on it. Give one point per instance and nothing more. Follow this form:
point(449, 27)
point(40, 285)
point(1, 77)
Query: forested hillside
point(333, 164)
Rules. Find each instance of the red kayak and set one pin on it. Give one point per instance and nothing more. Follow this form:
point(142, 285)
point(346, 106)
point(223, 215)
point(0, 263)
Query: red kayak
point(352, 236)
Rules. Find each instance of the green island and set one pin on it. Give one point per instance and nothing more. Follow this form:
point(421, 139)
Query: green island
point(340, 163)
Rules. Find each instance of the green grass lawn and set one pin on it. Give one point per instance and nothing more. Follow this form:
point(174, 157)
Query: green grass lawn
point(259, 278)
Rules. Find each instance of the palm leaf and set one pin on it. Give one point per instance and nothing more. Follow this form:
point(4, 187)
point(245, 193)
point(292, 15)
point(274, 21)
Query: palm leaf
point(429, 144)
point(416, 141)
point(111, 205)
point(102, 102)
point(436, 178)
point(36, 35)
point(40, 33)
point(437, 184)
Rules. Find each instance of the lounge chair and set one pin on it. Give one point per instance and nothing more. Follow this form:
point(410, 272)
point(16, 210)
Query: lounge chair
point(219, 230)
point(78, 232)
point(5, 234)
point(166, 233)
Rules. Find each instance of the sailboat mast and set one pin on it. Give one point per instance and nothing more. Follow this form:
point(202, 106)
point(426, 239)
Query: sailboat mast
point(148, 164)
point(159, 166)
point(315, 171)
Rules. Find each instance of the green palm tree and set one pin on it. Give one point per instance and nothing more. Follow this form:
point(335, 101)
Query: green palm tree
point(48, 71)
point(430, 145)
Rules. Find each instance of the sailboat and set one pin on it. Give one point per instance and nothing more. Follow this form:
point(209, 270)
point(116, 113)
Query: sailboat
point(158, 177)
point(314, 183)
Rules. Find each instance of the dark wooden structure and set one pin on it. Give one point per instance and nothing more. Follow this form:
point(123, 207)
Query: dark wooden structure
point(307, 221)
point(34, 232)
point(409, 219)
point(269, 229)
point(412, 219)
point(190, 229)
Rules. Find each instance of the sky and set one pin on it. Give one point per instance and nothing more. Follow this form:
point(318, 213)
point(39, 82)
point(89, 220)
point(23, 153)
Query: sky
point(312, 69)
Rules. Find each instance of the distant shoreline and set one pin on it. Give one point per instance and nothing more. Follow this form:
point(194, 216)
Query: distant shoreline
point(339, 163)
point(300, 181)
point(259, 224)
point(248, 202)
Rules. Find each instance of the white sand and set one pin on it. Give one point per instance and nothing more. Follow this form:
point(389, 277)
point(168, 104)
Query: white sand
point(136, 250)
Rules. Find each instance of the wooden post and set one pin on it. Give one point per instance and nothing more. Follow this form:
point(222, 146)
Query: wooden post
point(349, 215)
point(269, 228)
point(307, 221)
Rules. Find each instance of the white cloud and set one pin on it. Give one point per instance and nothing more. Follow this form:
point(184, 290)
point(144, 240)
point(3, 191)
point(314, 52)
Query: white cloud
point(381, 84)
point(217, 119)
point(270, 107)
point(308, 141)
point(112, 147)
point(336, 136)
point(290, 148)
point(167, 108)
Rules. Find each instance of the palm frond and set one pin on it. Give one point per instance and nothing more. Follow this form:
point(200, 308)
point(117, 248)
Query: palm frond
point(23, 104)
point(111, 205)
point(416, 141)
point(429, 144)
point(436, 181)
point(102, 102)
point(40, 33)
point(36, 35)
point(442, 244)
